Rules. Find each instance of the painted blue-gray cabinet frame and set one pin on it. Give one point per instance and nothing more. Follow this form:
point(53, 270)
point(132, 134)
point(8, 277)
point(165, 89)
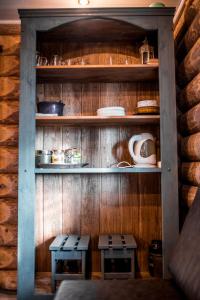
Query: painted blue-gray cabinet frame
point(159, 19)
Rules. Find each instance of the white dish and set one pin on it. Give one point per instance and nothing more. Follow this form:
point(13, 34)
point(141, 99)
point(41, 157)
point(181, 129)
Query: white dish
point(107, 114)
point(111, 111)
point(112, 107)
point(146, 103)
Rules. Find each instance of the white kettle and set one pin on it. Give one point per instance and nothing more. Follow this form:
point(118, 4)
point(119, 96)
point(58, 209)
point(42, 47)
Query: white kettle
point(142, 149)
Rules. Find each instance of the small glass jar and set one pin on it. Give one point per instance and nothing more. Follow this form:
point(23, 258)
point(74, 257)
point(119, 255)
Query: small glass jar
point(58, 157)
point(43, 157)
point(72, 156)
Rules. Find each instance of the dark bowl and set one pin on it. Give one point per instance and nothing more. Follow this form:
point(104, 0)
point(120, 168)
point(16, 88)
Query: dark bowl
point(47, 107)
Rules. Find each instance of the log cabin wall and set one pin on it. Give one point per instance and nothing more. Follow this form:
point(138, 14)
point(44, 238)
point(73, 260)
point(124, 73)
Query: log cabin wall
point(187, 39)
point(9, 108)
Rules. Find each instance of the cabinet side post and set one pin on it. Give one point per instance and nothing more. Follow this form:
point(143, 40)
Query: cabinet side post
point(26, 181)
point(168, 137)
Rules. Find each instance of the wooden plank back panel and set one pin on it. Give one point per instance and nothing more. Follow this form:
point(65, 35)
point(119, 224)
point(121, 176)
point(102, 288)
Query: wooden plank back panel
point(91, 185)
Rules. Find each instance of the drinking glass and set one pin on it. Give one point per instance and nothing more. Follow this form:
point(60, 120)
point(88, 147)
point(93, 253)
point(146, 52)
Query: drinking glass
point(42, 61)
point(56, 60)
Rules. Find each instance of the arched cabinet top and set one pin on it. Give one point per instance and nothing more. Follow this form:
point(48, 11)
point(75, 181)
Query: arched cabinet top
point(48, 19)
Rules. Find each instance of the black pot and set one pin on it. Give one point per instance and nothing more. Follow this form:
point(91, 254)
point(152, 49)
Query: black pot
point(47, 107)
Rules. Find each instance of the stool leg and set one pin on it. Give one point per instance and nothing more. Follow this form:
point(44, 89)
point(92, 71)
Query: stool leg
point(53, 271)
point(133, 265)
point(102, 264)
point(83, 264)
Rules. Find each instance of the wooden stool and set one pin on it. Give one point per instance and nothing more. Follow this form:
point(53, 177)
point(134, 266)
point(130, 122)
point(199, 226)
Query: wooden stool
point(115, 247)
point(64, 248)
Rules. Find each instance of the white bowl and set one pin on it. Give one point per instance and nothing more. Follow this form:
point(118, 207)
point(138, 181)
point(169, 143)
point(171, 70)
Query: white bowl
point(112, 107)
point(111, 111)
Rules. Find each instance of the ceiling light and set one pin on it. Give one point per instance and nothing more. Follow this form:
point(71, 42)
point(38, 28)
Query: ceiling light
point(83, 2)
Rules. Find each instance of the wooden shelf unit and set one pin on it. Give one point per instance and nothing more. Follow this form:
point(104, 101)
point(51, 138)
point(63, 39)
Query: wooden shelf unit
point(98, 73)
point(97, 121)
point(95, 199)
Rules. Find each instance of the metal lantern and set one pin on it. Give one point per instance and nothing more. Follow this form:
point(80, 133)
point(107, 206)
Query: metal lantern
point(146, 52)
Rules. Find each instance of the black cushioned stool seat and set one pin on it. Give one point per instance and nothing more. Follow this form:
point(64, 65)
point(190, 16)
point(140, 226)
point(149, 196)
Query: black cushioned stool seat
point(184, 266)
point(131, 289)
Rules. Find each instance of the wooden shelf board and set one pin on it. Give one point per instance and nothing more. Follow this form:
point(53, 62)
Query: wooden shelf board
point(97, 121)
point(95, 73)
point(97, 170)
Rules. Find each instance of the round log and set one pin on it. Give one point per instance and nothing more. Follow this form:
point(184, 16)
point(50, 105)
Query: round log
point(190, 147)
point(10, 29)
point(192, 11)
point(9, 112)
point(8, 280)
point(188, 37)
point(188, 194)
point(8, 258)
point(180, 23)
point(9, 66)
point(189, 123)
point(8, 235)
point(8, 186)
point(8, 160)
point(190, 172)
point(9, 45)
point(190, 95)
point(9, 135)
point(193, 33)
point(9, 87)
point(190, 66)
point(8, 211)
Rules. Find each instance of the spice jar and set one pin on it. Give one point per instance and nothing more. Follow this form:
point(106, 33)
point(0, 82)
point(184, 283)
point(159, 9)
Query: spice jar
point(72, 156)
point(58, 157)
point(43, 157)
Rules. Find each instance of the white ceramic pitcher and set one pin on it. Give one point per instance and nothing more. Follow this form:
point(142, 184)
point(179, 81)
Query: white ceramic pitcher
point(142, 149)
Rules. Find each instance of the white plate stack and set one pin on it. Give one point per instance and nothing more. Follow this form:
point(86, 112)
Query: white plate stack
point(112, 111)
